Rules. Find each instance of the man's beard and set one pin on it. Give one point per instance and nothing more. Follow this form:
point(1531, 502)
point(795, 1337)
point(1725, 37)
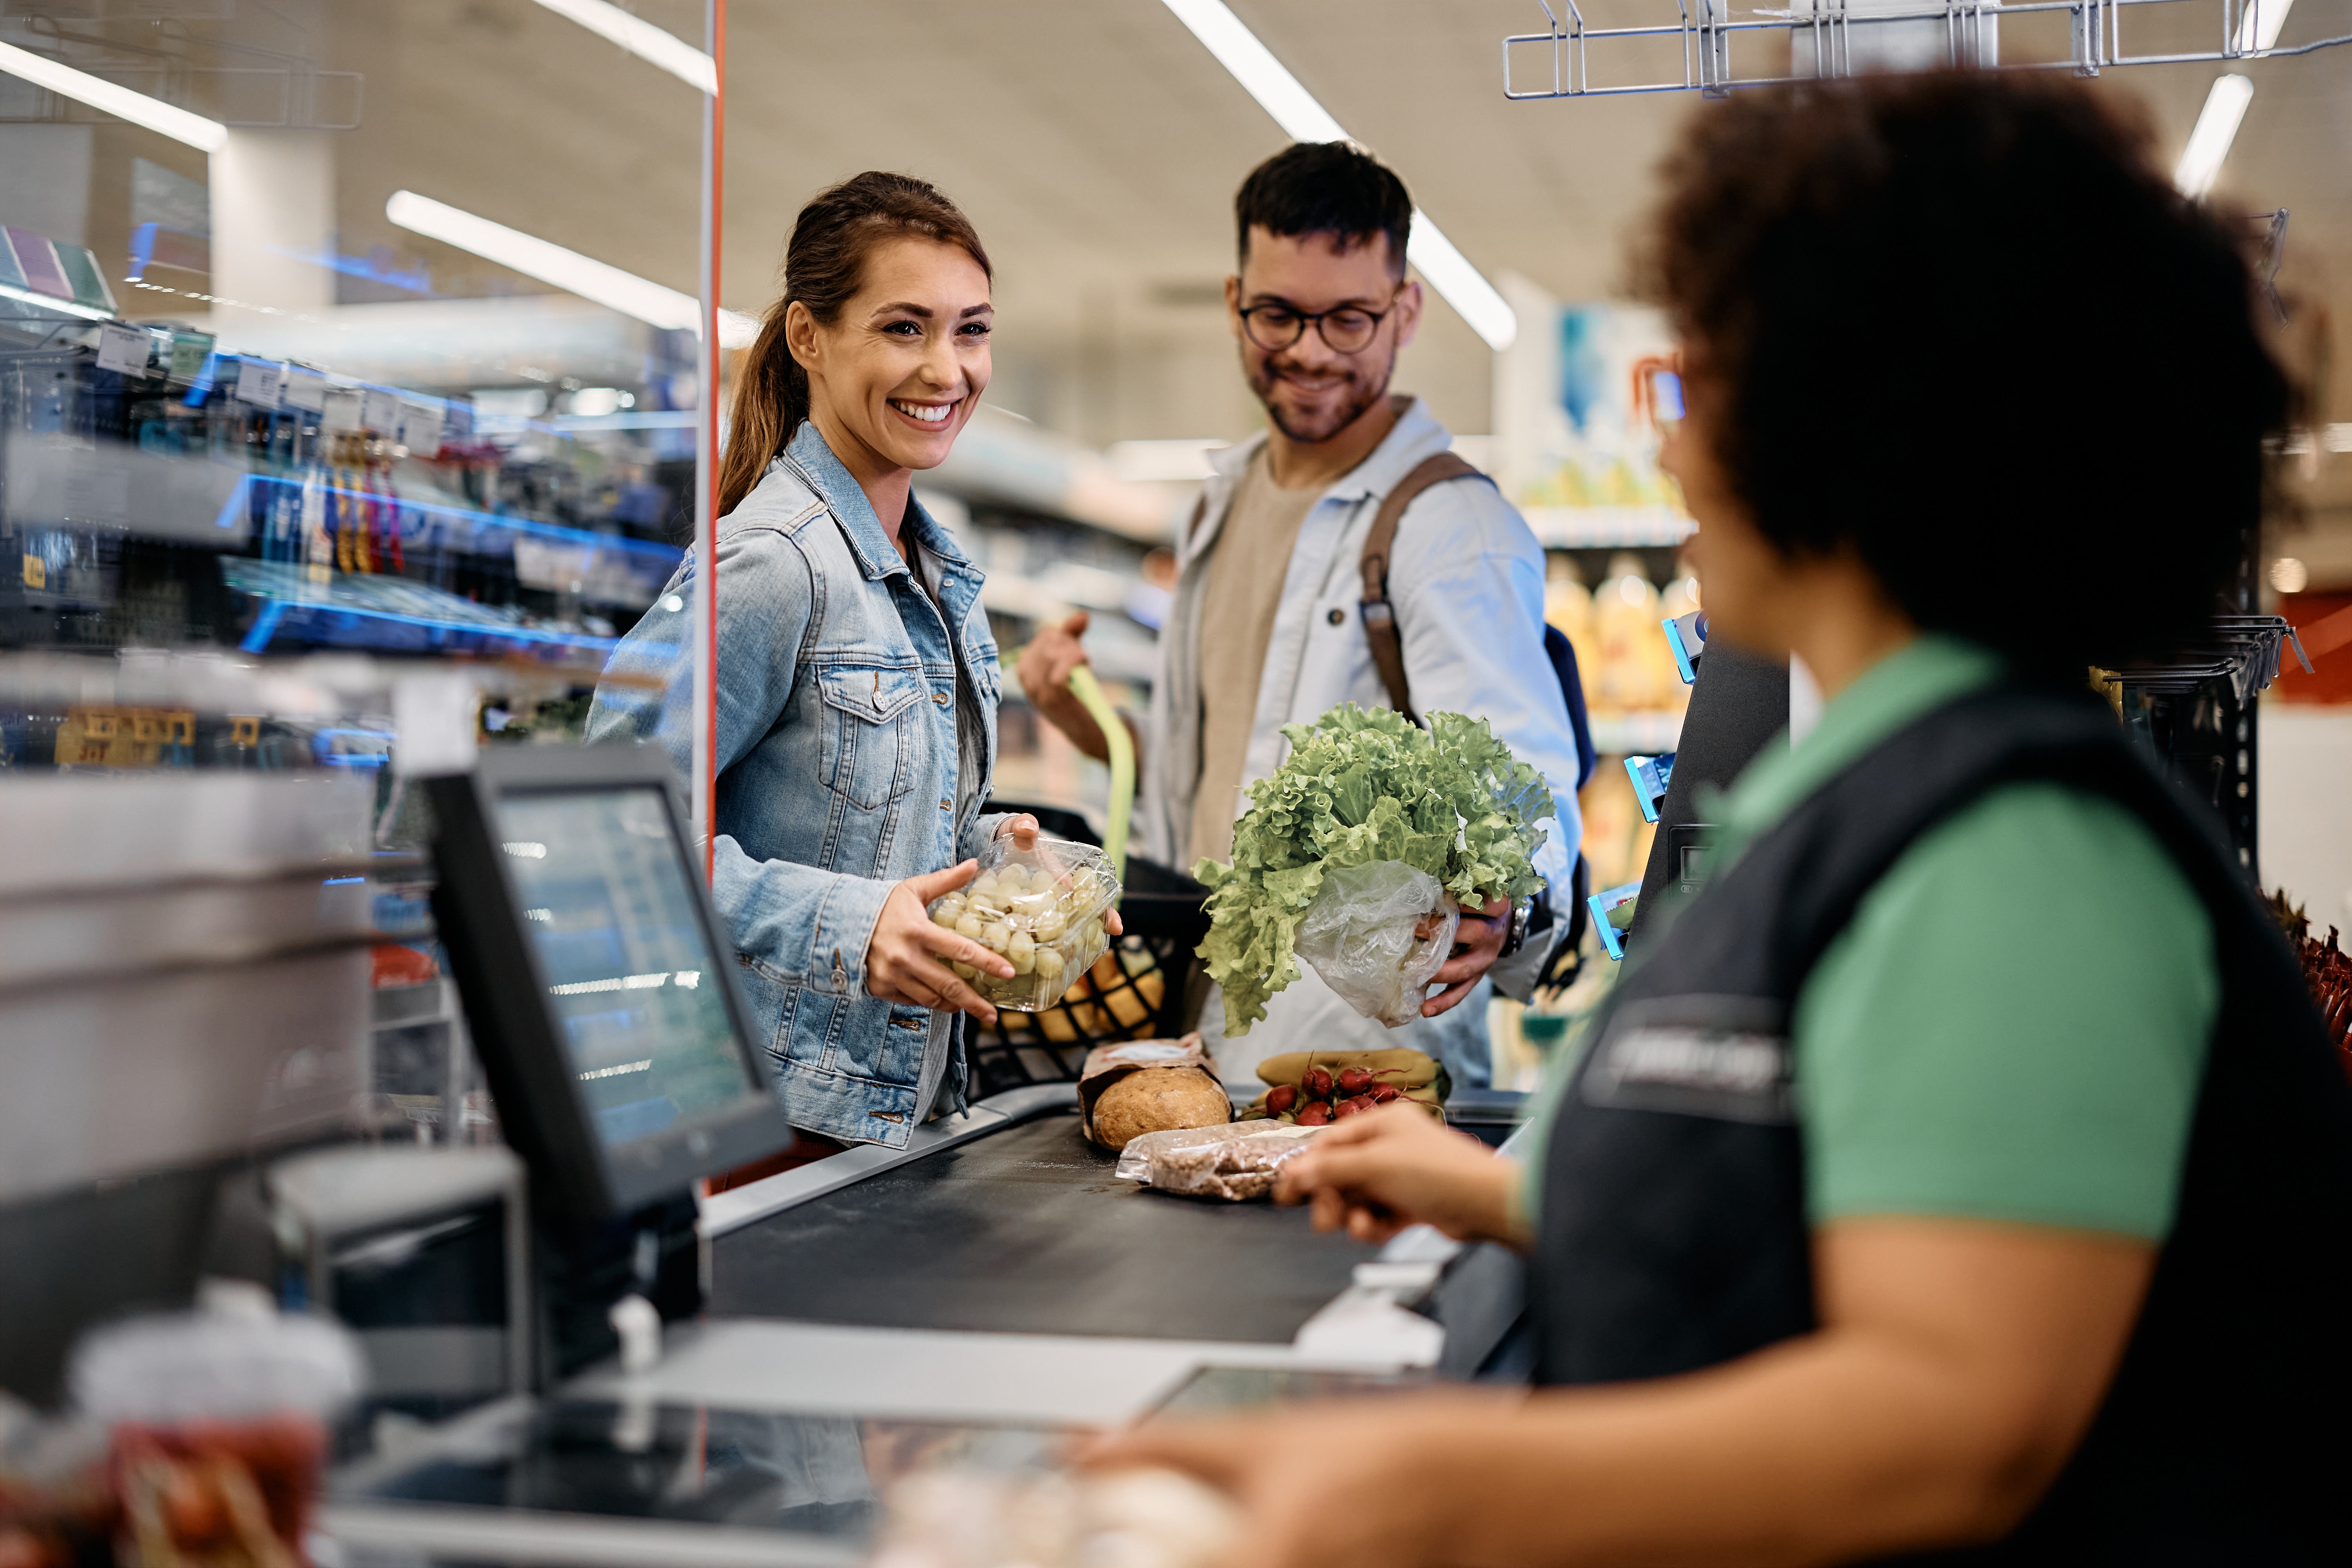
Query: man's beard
point(1358, 395)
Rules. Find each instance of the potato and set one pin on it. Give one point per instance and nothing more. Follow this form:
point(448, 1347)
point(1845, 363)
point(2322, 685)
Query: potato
point(966, 970)
point(1050, 927)
point(1047, 962)
point(968, 925)
point(998, 935)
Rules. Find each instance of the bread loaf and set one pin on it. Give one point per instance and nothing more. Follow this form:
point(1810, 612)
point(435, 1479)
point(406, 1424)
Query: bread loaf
point(1154, 1099)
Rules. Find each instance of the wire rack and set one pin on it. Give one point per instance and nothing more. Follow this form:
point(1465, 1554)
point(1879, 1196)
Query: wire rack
point(1839, 38)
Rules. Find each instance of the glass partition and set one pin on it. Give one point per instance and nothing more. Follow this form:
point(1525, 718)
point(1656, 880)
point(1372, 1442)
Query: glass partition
point(348, 387)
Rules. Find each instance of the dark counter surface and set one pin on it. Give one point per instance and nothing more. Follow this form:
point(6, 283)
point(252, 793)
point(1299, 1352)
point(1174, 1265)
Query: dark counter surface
point(1027, 1231)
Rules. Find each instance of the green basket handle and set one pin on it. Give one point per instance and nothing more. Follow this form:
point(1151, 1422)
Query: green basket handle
point(1089, 693)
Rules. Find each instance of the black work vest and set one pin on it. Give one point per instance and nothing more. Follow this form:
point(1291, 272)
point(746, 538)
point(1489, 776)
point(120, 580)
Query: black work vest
point(1674, 1233)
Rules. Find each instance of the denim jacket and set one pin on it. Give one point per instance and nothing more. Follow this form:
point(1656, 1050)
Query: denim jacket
point(838, 684)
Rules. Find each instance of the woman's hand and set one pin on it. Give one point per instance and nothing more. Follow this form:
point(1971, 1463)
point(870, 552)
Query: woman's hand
point(906, 960)
point(1372, 1175)
point(1023, 830)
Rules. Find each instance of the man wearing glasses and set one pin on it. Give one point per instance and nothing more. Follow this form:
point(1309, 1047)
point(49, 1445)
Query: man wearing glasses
point(1269, 625)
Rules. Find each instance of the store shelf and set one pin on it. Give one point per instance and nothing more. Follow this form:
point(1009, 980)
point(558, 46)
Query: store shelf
point(385, 614)
point(1636, 734)
point(604, 568)
point(1608, 527)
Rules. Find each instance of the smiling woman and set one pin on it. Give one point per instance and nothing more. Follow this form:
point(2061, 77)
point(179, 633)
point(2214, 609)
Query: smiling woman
point(857, 680)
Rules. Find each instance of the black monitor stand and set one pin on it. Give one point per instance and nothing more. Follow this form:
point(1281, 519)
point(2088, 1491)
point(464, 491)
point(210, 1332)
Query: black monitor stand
point(599, 992)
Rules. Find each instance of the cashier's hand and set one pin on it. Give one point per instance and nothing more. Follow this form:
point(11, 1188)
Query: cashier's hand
point(1477, 942)
point(908, 958)
point(1373, 1456)
point(1372, 1175)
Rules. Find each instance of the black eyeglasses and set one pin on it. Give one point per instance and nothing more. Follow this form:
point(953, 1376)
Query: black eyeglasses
point(1346, 329)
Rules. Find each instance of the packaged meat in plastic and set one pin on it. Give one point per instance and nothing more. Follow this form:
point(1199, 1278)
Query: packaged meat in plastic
point(1236, 1162)
point(1376, 933)
point(1044, 909)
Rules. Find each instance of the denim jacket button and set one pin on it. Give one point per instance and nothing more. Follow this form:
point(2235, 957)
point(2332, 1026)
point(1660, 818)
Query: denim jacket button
point(940, 698)
point(947, 806)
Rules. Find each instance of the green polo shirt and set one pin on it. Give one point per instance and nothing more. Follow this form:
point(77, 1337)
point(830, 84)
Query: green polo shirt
point(2014, 1027)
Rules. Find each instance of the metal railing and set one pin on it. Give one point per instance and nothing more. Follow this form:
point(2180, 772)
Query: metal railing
point(1705, 31)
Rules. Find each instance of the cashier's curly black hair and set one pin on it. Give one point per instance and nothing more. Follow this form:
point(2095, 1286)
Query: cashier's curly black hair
point(1961, 324)
point(823, 261)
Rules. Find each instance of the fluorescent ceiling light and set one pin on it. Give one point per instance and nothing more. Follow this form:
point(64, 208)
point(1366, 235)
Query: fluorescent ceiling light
point(2216, 127)
point(2260, 22)
point(1302, 119)
point(210, 135)
point(568, 270)
point(643, 40)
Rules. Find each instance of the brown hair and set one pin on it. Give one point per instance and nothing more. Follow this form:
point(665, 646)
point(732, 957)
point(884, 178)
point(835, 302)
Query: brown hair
point(825, 260)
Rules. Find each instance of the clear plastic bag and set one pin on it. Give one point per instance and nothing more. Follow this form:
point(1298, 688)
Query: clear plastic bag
point(1236, 1161)
point(1043, 908)
point(1376, 933)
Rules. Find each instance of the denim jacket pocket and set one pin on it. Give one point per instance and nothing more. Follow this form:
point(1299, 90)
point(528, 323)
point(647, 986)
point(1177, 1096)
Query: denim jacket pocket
point(866, 745)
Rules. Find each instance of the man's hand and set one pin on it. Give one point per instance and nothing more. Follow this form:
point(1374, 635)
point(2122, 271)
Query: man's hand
point(1044, 671)
point(1477, 942)
point(906, 960)
point(1374, 1175)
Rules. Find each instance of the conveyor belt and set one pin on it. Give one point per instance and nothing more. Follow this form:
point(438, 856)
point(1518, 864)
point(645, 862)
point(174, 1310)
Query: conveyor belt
point(1027, 1231)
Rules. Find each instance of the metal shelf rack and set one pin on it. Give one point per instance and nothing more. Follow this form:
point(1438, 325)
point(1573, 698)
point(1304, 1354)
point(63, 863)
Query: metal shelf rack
point(1821, 33)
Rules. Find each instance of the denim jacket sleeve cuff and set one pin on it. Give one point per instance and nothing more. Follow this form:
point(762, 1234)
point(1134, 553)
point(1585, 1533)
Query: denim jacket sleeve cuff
point(982, 833)
point(845, 930)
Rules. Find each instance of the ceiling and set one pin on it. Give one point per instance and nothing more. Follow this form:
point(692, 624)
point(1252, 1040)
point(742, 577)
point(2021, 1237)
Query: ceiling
point(1096, 146)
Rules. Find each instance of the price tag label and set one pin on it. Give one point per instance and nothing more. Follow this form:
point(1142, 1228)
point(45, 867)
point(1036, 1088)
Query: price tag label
point(380, 412)
point(123, 349)
point(420, 429)
point(306, 390)
point(189, 351)
point(342, 412)
point(257, 382)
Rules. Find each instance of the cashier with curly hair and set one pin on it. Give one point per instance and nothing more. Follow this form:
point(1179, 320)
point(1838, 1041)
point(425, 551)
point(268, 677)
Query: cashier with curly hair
point(1964, 1167)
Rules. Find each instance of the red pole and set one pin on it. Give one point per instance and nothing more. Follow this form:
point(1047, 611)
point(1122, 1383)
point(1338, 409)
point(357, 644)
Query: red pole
point(706, 470)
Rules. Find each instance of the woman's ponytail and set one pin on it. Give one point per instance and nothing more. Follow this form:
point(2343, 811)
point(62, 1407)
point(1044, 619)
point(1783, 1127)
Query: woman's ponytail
point(823, 261)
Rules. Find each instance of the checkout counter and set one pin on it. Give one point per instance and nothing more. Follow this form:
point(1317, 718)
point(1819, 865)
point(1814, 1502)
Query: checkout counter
point(740, 1378)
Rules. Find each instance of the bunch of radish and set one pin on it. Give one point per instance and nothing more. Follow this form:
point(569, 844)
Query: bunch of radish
point(1323, 1096)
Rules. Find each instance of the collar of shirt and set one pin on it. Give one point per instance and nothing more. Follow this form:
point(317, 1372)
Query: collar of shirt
point(1416, 435)
point(1925, 673)
point(877, 556)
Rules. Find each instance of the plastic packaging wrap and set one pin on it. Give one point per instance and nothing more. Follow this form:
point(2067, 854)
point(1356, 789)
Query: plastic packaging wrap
point(1376, 933)
point(1043, 908)
point(1236, 1162)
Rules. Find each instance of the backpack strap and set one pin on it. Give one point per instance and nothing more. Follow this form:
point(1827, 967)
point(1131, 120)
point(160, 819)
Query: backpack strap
point(1380, 615)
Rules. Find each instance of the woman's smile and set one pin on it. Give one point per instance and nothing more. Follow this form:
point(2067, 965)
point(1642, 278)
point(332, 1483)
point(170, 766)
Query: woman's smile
point(927, 414)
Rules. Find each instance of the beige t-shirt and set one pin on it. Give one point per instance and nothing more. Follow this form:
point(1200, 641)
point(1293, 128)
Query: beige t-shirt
point(1246, 568)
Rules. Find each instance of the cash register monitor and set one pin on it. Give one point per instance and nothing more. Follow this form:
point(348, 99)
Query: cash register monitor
point(597, 980)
